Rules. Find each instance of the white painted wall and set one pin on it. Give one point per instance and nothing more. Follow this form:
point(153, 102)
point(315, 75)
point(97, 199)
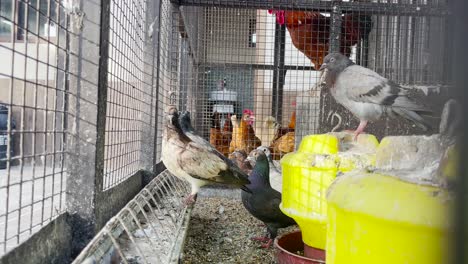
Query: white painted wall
point(30, 61)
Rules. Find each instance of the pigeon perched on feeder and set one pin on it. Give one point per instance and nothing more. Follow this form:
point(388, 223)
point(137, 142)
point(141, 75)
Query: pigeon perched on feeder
point(368, 95)
point(194, 159)
point(263, 201)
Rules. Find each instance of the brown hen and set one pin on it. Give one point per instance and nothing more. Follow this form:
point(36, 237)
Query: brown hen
point(219, 139)
point(243, 134)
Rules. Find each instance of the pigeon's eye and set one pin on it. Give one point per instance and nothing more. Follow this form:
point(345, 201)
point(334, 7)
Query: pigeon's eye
point(332, 59)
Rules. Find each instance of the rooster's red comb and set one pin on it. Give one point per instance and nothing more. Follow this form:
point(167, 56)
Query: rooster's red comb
point(248, 111)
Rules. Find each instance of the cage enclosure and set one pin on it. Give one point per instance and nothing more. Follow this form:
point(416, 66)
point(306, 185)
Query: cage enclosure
point(88, 81)
point(239, 51)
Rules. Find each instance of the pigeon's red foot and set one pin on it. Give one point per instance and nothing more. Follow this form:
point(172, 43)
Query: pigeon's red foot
point(261, 225)
point(261, 239)
point(191, 199)
point(268, 244)
point(360, 129)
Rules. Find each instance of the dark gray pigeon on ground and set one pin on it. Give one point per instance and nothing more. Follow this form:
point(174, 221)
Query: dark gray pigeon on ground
point(195, 160)
point(368, 95)
point(263, 201)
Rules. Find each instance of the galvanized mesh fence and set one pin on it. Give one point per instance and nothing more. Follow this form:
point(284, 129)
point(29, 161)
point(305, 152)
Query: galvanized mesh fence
point(245, 57)
point(130, 90)
point(84, 91)
point(51, 111)
point(33, 126)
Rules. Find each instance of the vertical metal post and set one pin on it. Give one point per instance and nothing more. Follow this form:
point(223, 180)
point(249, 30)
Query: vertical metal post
point(327, 103)
point(183, 73)
point(147, 136)
point(86, 119)
point(156, 36)
point(174, 55)
point(102, 93)
point(279, 72)
point(446, 65)
point(335, 29)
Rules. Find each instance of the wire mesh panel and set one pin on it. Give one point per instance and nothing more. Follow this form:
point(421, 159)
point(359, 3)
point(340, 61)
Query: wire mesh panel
point(33, 100)
point(168, 61)
point(247, 62)
point(232, 51)
point(130, 90)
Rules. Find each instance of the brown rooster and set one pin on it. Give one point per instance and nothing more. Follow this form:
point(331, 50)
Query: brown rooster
point(310, 32)
point(243, 134)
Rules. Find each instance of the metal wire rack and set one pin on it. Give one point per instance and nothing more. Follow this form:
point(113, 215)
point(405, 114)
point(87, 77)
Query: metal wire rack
point(149, 229)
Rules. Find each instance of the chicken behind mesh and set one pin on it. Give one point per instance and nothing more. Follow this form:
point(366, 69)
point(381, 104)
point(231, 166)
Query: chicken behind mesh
point(310, 32)
point(283, 145)
point(243, 134)
point(268, 130)
point(220, 139)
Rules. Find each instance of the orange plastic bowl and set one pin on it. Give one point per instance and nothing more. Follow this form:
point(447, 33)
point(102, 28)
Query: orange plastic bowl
point(288, 244)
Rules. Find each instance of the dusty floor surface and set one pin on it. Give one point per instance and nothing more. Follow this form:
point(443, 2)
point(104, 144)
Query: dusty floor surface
point(220, 232)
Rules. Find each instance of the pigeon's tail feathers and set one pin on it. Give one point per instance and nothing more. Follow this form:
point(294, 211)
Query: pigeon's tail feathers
point(412, 116)
point(410, 105)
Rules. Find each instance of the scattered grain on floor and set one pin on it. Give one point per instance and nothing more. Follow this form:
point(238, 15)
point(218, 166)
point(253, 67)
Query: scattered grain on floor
point(220, 232)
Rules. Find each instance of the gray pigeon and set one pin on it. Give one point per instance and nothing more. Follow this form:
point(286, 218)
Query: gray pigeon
point(263, 201)
point(195, 160)
point(368, 95)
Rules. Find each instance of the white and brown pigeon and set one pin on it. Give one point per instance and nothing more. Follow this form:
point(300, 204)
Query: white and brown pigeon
point(193, 159)
point(368, 95)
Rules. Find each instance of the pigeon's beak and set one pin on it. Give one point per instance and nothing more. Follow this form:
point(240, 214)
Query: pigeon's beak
point(323, 67)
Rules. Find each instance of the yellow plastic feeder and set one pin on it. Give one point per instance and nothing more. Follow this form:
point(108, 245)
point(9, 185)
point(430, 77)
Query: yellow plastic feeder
point(377, 218)
point(308, 173)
